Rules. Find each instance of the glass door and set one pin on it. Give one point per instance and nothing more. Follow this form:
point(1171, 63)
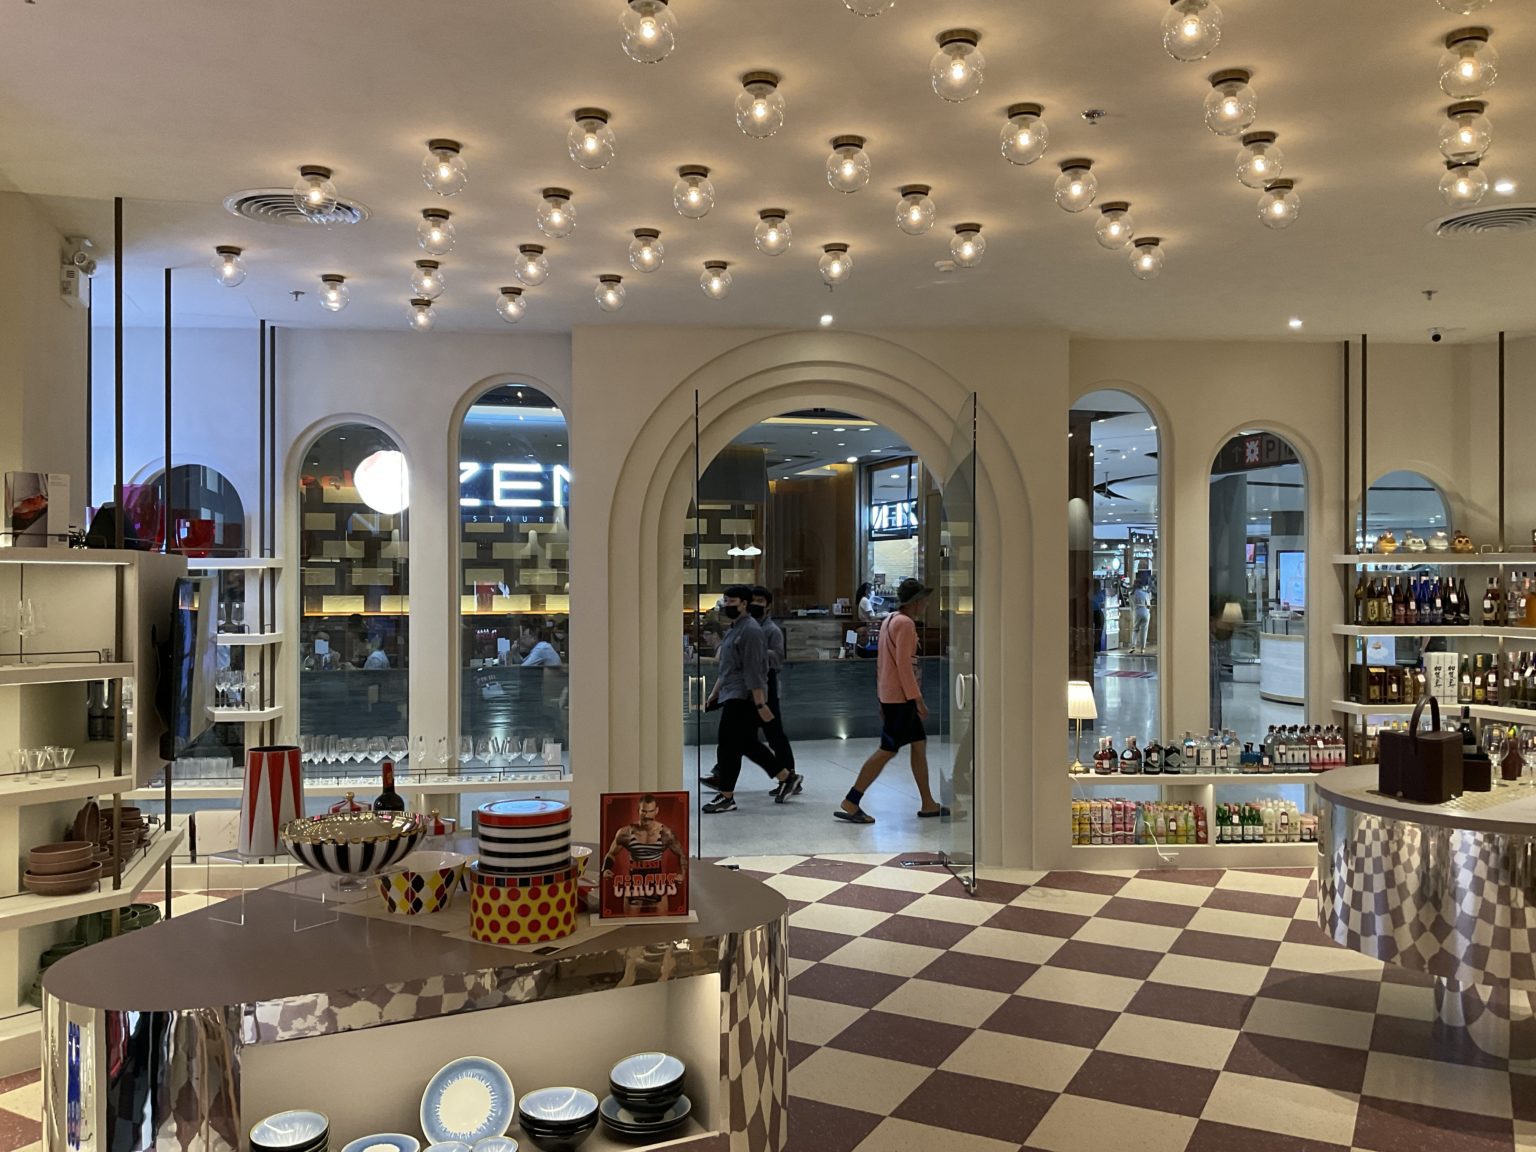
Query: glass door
point(957, 607)
point(695, 683)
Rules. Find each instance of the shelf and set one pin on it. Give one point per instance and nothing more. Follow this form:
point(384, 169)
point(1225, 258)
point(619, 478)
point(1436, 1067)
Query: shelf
point(21, 1041)
point(244, 715)
point(97, 557)
point(62, 673)
point(1471, 631)
point(1175, 780)
point(233, 563)
point(1447, 710)
point(26, 909)
point(1435, 559)
point(77, 785)
point(232, 791)
point(247, 639)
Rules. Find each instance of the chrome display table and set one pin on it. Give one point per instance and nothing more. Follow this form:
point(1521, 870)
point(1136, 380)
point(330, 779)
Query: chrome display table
point(1444, 889)
point(184, 1034)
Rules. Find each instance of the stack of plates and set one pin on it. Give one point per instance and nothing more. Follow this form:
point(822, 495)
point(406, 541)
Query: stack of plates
point(557, 1119)
point(647, 1100)
point(297, 1131)
point(61, 869)
point(469, 1100)
point(385, 1142)
point(520, 837)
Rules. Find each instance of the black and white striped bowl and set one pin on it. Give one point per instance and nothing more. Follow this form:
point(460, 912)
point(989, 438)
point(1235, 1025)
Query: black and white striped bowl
point(354, 843)
point(549, 834)
point(512, 862)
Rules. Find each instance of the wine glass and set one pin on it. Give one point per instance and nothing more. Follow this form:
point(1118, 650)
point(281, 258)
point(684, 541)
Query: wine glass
point(485, 750)
point(419, 753)
point(378, 748)
point(1494, 742)
point(443, 755)
point(466, 750)
point(399, 747)
point(1528, 754)
point(61, 757)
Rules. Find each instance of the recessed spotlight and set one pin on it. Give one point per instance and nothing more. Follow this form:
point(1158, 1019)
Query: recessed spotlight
point(1151, 427)
point(826, 320)
point(815, 432)
point(853, 459)
point(1294, 322)
point(1504, 187)
point(839, 429)
point(840, 444)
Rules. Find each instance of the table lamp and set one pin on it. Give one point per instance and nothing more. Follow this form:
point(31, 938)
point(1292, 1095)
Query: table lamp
point(1080, 707)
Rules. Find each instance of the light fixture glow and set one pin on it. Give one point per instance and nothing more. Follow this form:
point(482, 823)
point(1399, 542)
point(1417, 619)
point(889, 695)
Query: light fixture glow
point(1231, 105)
point(848, 164)
point(772, 236)
point(915, 211)
point(852, 460)
point(958, 67)
point(1077, 187)
point(383, 481)
point(693, 195)
point(590, 140)
point(532, 266)
point(968, 245)
point(1191, 29)
point(556, 216)
point(420, 316)
point(646, 253)
point(609, 293)
point(1260, 161)
point(1464, 184)
point(760, 105)
point(826, 322)
point(1467, 133)
point(1295, 323)
point(435, 232)
point(1147, 260)
point(442, 168)
point(835, 265)
point(1024, 137)
point(1279, 206)
point(334, 293)
point(715, 281)
point(228, 265)
point(1115, 228)
point(511, 305)
point(314, 195)
point(868, 7)
point(1469, 66)
point(648, 31)
point(1504, 187)
point(427, 279)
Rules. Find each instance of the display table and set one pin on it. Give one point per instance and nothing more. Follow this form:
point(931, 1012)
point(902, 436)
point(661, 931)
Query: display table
point(1283, 667)
point(185, 1034)
point(1444, 889)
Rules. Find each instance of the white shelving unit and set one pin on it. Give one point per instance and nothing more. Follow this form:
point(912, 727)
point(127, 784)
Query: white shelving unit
point(247, 639)
point(245, 715)
point(1181, 779)
point(1436, 560)
point(406, 787)
point(63, 672)
point(1470, 632)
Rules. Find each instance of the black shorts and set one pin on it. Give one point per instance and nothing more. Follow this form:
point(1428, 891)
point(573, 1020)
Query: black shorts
point(902, 726)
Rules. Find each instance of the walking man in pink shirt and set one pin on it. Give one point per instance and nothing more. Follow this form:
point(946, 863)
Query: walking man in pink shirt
point(902, 710)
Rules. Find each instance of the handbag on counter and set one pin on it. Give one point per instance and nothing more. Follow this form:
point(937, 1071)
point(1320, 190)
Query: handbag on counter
point(1421, 766)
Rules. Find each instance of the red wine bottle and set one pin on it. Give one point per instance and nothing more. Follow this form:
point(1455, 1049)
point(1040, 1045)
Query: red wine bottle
point(389, 800)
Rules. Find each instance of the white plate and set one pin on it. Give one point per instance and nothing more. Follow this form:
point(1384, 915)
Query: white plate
point(468, 1100)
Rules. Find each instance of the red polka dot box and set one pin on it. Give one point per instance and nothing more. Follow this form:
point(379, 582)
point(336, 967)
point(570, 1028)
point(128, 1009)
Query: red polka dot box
point(532, 908)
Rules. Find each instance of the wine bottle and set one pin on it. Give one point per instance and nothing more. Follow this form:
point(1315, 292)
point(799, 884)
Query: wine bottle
point(1130, 759)
point(1360, 599)
point(389, 800)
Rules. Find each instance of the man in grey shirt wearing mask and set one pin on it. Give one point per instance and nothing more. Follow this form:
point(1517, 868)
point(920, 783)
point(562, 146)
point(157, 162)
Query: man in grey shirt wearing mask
point(773, 731)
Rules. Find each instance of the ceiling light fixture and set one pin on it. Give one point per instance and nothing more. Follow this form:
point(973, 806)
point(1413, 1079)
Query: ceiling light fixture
point(610, 292)
point(868, 7)
point(590, 141)
point(649, 31)
point(442, 168)
point(334, 293)
point(1464, 183)
point(958, 67)
point(314, 195)
point(646, 253)
point(852, 460)
point(835, 265)
point(1467, 133)
point(1469, 66)
point(1191, 29)
point(914, 211)
point(1115, 228)
point(532, 267)
point(1295, 323)
point(1260, 161)
point(383, 480)
point(826, 322)
point(968, 245)
point(1464, 7)
point(772, 234)
point(1146, 260)
point(510, 305)
point(435, 232)
point(760, 105)
point(1231, 106)
point(716, 279)
point(420, 316)
point(228, 265)
point(427, 279)
point(556, 216)
point(1024, 137)
point(1279, 206)
point(1504, 187)
point(1077, 187)
point(693, 195)
point(848, 164)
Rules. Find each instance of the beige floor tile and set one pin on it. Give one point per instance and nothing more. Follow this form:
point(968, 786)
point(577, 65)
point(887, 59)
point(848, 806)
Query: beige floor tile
point(853, 1080)
point(1270, 883)
point(871, 858)
point(1315, 1022)
point(951, 909)
point(765, 863)
point(1246, 924)
point(1020, 1060)
point(1062, 900)
point(888, 956)
point(1525, 1136)
point(27, 1101)
point(818, 1021)
point(904, 879)
point(946, 1003)
point(1168, 891)
point(893, 1135)
point(1302, 1110)
point(35, 1147)
point(1176, 1041)
point(1438, 1084)
point(1090, 989)
point(1332, 959)
point(798, 965)
point(1013, 875)
point(1002, 944)
point(806, 888)
point(1078, 1124)
point(1215, 975)
point(834, 918)
point(1127, 934)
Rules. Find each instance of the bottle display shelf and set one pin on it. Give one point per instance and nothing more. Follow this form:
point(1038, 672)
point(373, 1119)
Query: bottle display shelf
point(1447, 710)
point(244, 715)
point(26, 909)
point(1471, 631)
point(247, 639)
point(63, 672)
point(73, 783)
point(1180, 779)
point(90, 557)
point(437, 786)
point(234, 563)
point(1435, 559)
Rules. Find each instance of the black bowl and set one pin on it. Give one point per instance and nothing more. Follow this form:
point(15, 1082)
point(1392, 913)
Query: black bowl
point(558, 1119)
point(647, 1083)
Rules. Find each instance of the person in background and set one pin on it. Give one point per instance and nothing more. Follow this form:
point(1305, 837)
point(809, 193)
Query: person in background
point(773, 731)
point(377, 659)
point(902, 710)
point(1141, 618)
point(542, 653)
point(866, 605)
point(528, 637)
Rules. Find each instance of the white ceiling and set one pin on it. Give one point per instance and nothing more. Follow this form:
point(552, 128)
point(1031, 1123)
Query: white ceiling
point(181, 102)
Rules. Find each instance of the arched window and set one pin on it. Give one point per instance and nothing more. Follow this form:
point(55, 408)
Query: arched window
point(1405, 504)
point(354, 498)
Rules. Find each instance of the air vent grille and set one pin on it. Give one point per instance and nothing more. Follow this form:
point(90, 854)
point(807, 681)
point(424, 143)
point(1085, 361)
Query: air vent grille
point(1486, 221)
point(276, 206)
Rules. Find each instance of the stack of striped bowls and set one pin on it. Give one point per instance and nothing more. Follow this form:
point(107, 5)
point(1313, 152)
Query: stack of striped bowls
point(523, 887)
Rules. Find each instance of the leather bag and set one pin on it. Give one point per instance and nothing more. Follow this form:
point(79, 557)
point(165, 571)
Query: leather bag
point(1422, 766)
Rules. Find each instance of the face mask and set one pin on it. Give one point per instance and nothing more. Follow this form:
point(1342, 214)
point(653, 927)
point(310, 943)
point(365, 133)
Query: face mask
point(758, 611)
point(730, 611)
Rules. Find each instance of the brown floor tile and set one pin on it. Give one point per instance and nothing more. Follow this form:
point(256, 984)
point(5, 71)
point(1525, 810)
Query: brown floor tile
point(1321, 989)
point(1432, 1040)
point(1293, 873)
point(18, 1131)
point(1201, 877)
point(1049, 1020)
point(987, 972)
point(982, 1107)
point(1221, 946)
point(20, 1080)
point(818, 1127)
point(1306, 932)
point(840, 870)
point(798, 1051)
point(1039, 921)
point(813, 944)
point(1193, 1005)
point(844, 985)
point(897, 1037)
point(1397, 974)
point(1094, 882)
point(1259, 903)
point(1147, 912)
point(1311, 893)
point(872, 898)
point(1299, 1061)
point(998, 892)
point(796, 905)
point(1213, 1137)
point(1109, 959)
point(1393, 1126)
point(919, 930)
point(1153, 1084)
point(1522, 1095)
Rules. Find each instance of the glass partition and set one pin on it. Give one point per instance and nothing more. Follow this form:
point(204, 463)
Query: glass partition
point(1406, 504)
point(956, 752)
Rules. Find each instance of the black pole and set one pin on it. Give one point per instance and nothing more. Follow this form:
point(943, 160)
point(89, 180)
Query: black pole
point(272, 440)
point(1503, 540)
point(1350, 546)
point(90, 360)
point(1365, 474)
point(165, 475)
point(261, 424)
point(117, 372)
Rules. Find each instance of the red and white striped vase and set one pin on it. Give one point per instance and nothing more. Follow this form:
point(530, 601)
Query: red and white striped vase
point(273, 794)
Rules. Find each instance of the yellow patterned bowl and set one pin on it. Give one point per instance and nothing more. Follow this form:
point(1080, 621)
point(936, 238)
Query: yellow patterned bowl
point(581, 856)
point(424, 884)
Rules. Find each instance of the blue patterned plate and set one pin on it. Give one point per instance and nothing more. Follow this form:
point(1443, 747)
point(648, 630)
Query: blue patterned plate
point(469, 1099)
point(385, 1142)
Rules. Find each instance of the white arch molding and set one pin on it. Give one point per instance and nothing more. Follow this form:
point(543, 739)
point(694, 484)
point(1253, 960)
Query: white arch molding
point(880, 380)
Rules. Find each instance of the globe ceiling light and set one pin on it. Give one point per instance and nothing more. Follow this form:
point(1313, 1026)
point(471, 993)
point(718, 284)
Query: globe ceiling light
point(1260, 161)
point(760, 105)
point(610, 292)
point(1467, 133)
point(1231, 105)
point(848, 164)
point(1147, 258)
point(915, 211)
point(334, 293)
point(510, 305)
point(427, 279)
point(772, 234)
point(532, 267)
point(869, 7)
point(693, 195)
point(1469, 66)
point(958, 67)
point(383, 481)
point(314, 195)
point(716, 279)
point(435, 232)
point(556, 216)
point(228, 265)
point(1115, 228)
point(835, 265)
point(1279, 206)
point(1024, 137)
point(590, 141)
point(442, 168)
point(1464, 183)
point(420, 316)
point(646, 253)
point(968, 245)
point(1464, 7)
point(649, 31)
point(1191, 29)
point(1077, 187)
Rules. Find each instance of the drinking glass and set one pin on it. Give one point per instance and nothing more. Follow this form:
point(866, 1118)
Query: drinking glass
point(378, 748)
point(443, 755)
point(61, 758)
point(1494, 744)
point(530, 749)
point(399, 746)
point(32, 764)
point(485, 750)
point(466, 750)
point(1528, 754)
point(419, 753)
point(332, 749)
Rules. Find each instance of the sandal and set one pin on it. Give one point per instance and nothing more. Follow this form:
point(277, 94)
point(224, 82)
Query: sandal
point(859, 817)
point(941, 810)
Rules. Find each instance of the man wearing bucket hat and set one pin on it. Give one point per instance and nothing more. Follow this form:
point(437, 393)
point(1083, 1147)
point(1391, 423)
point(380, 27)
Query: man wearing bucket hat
point(902, 710)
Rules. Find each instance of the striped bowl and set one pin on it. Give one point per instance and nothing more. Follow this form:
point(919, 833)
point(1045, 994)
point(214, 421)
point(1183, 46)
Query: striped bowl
point(354, 843)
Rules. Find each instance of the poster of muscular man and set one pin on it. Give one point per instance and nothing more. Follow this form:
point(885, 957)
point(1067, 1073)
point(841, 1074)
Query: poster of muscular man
point(645, 858)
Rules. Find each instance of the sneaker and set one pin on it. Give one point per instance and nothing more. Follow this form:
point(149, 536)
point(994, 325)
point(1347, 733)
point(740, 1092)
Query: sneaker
point(799, 787)
point(721, 804)
point(711, 781)
point(787, 789)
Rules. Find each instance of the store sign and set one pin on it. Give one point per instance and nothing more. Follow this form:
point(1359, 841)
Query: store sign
point(893, 519)
point(1255, 450)
point(524, 486)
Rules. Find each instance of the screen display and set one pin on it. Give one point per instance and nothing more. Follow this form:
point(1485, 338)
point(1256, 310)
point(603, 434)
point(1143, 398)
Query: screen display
point(1293, 579)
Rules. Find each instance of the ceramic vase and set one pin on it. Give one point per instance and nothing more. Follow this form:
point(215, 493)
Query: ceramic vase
point(272, 795)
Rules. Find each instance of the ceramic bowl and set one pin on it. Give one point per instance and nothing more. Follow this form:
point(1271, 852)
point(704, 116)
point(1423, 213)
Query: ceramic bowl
point(385, 1142)
point(557, 1119)
point(453, 1146)
point(88, 822)
point(425, 883)
point(290, 1131)
point(354, 843)
point(67, 884)
point(647, 1083)
point(57, 859)
point(581, 856)
point(494, 1144)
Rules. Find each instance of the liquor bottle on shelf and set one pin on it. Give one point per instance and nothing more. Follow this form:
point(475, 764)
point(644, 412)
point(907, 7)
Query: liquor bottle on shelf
point(1411, 603)
point(1360, 599)
point(1464, 693)
point(1437, 603)
point(1399, 603)
point(1173, 757)
point(1130, 759)
point(1104, 758)
point(1491, 684)
point(1191, 755)
point(389, 800)
point(1152, 759)
point(1222, 754)
point(1464, 614)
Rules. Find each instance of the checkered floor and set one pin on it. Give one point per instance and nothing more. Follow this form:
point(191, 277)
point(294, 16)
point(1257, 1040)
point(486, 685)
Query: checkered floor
point(1188, 1011)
